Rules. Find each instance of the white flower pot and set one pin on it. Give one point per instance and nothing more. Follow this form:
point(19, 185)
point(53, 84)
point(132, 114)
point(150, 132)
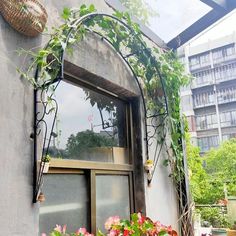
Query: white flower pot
point(148, 167)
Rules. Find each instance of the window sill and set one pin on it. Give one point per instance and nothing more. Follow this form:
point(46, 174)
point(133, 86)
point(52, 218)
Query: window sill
point(77, 164)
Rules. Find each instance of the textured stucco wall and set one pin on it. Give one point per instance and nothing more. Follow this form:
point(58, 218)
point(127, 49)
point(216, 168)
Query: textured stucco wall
point(161, 201)
point(18, 216)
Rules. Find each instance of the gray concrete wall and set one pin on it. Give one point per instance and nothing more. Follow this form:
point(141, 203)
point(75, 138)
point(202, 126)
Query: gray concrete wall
point(18, 216)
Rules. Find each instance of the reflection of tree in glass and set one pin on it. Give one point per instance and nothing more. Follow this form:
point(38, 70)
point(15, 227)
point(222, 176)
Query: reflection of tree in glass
point(84, 140)
point(116, 110)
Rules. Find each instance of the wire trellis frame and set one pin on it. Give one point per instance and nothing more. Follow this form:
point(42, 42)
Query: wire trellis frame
point(38, 174)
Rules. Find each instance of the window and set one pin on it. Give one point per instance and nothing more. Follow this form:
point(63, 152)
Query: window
point(67, 202)
point(206, 143)
point(228, 118)
point(203, 99)
point(90, 176)
point(228, 136)
point(226, 95)
point(228, 51)
point(222, 54)
point(194, 61)
point(91, 127)
point(206, 122)
point(198, 61)
point(203, 77)
point(205, 59)
point(225, 72)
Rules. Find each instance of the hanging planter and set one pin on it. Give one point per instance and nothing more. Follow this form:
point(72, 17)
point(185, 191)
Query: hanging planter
point(45, 167)
point(28, 17)
point(45, 164)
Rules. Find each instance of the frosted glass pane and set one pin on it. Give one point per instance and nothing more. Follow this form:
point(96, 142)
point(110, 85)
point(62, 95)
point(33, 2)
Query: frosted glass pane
point(112, 198)
point(66, 202)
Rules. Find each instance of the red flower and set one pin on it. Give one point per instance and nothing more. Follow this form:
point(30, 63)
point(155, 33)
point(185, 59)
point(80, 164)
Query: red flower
point(126, 232)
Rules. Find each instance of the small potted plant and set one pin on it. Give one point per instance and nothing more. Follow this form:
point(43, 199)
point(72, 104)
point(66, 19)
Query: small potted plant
point(148, 166)
point(45, 163)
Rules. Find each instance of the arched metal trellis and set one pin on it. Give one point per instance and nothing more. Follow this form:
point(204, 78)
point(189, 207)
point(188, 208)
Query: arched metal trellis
point(39, 114)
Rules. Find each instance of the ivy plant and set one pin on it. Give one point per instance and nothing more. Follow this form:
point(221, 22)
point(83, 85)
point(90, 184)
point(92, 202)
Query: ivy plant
point(149, 64)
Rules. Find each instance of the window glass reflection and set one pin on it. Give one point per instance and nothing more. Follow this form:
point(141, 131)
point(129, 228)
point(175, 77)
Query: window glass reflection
point(90, 126)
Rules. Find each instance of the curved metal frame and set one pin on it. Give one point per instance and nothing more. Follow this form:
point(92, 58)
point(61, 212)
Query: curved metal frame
point(38, 175)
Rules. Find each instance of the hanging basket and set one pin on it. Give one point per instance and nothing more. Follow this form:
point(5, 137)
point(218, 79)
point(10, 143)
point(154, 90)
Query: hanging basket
point(28, 17)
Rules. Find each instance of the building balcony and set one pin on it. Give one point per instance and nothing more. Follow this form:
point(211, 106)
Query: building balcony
point(224, 59)
point(203, 105)
point(207, 127)
point(199, 66)
point(226, 99)
point(226, 78)
point(228, 123)
point(199, 84)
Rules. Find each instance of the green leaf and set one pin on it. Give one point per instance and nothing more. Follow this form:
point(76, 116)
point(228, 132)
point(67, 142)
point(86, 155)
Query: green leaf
point(66, 13)
point(92, 8)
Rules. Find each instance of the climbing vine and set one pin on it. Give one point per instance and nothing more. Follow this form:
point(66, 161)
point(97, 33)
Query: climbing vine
point(154, 67)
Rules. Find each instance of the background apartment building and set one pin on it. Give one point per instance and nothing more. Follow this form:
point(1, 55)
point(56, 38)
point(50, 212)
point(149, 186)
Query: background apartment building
point(210, 101)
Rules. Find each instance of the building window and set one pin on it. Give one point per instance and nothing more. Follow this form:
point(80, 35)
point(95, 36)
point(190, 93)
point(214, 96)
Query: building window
point(226, 137)
point(226, 95)
point(228, 118)
point(203, 77)
point(225, 72)
point(206, 143)
point(222, 54)
point(194, 61)
point(206, 122)
point(203, 99)
point(198, 61)
point(91, 173)
point(205, 59)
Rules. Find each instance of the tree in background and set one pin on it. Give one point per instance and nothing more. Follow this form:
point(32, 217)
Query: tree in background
point(207, 183)
point(80, 142)
point(198, 178)
point(140, 9)
point(221, 168)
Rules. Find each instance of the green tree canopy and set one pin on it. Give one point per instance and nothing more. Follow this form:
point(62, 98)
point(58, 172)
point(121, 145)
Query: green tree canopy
point(80, 142)
point(207, 183)
point(198, 178)
point(221, 167)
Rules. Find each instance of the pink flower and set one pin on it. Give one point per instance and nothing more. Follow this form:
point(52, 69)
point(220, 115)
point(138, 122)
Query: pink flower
point(141, 219)
point(58, 228)
point(113, 220)
point(113, 232)
point(43, 234)
point(81, 231)
point(64, 229)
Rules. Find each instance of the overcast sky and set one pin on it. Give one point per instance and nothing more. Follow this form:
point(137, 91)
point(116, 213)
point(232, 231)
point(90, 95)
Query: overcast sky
point(175, 16)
